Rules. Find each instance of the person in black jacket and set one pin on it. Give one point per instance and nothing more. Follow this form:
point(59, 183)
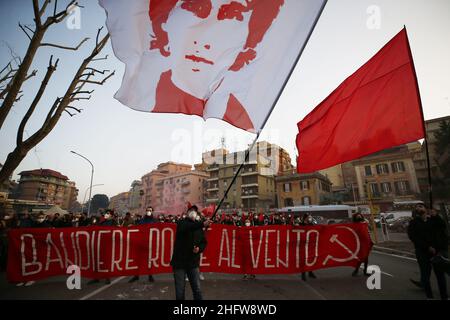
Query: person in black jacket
point(107, 222)
point(147, 219)
point(426, 233)
point(359, 218)
point(188, 246)
point(308, 220)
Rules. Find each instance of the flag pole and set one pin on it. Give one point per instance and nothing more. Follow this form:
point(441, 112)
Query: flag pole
point(430, 188)
point(247, 153)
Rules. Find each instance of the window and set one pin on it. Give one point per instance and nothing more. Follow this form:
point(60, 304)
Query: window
point(287, 187)
point(288, 202)
point(398, 166)
point(306, 201)
point(304, 185)
point(368, 171)
point(382, 168)
point(373, 188)
point(402, 187)
point(386, 187)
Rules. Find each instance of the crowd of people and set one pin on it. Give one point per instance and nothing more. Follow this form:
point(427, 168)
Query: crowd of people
point(427, 231)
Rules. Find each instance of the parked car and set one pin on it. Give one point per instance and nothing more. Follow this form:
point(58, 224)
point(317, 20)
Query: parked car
point(400, 224)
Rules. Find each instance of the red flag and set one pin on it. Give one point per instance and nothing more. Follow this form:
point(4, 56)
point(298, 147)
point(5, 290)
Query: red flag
point(209, 210)
point(376, 108)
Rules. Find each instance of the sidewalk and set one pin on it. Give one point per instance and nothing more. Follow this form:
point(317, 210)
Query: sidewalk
point(395, 243)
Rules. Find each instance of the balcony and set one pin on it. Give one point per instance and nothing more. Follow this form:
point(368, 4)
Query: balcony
point(210, 200)
point(249, 171)
point(249, 185)
point(250, 196)
point(213, 167)
point(212, 189)
point(185, 183)
point(212, 179)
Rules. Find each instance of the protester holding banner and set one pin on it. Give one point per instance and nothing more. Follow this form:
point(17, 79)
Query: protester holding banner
point(147, 219)
point(41, 221)
point(108, 221)
point(186, 254)
point(358, 218)
point(308, 220)
point(248, 276)
point(25, 220)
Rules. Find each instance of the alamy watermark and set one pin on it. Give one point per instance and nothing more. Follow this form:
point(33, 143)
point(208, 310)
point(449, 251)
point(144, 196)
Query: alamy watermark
point(74, 280)
point(374, 20)
point(374, 280)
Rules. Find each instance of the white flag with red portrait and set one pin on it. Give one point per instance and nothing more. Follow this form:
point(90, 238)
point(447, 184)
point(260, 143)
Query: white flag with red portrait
point(211, 58)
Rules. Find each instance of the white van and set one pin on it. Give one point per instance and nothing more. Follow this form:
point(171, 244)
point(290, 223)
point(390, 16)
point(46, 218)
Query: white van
point(391, 216)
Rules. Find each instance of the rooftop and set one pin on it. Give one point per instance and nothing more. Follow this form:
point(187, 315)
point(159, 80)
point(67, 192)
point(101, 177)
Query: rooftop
point(44, 173)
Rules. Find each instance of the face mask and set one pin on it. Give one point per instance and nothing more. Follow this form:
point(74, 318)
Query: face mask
point(94, 221)
point(309, 220)
point(193, 215)
point(197, 218)
point(40, 220)
point(247, 224)
point(107, 216)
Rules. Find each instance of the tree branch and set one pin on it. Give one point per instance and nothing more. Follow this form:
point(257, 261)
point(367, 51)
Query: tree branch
point(50, 69)
point(44, 6)
point(95, 70)
point(37, 16)
point(58, 17)
point(70, 114)
point(64, 47)
point(98, 82)
point(98, 59)
point(76, 109)
point(23, 29)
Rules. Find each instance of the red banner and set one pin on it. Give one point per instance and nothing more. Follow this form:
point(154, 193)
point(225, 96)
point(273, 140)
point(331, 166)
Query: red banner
point(103, 252)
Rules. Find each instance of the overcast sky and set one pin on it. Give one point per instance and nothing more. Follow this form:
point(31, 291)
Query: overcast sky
point(124, 144)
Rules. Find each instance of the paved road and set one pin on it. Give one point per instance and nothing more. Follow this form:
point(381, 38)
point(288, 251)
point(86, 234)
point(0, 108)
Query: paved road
point(336, 283)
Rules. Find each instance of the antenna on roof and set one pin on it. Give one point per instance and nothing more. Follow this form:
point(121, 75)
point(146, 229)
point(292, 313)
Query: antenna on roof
point(222, 142)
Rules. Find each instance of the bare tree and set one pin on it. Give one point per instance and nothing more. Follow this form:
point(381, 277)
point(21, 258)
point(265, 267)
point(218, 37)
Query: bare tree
point(16, 72)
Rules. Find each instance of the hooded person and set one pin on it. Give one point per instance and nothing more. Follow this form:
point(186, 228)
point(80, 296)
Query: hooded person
point(190, 242)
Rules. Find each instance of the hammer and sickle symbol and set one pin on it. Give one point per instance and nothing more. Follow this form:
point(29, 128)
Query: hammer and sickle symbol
point(353, 255)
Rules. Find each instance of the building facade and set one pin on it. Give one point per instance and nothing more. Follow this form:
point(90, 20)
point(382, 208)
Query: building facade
point(420, 159)
point(47, 186)
point(150, 180)
point(136, 192)
point(254, 188)
point(175, 191)
point(294, 189)
point(120, 203)
point(388, 176)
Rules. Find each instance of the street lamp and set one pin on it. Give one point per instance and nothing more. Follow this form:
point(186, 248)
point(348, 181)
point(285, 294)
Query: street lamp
point(84, 199)
point(92, 177)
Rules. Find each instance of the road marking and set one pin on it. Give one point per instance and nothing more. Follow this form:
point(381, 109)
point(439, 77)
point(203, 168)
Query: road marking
point(317, 293)
point(394, 255)
point(90, 295)
point(388, 274)
point(395, 250)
